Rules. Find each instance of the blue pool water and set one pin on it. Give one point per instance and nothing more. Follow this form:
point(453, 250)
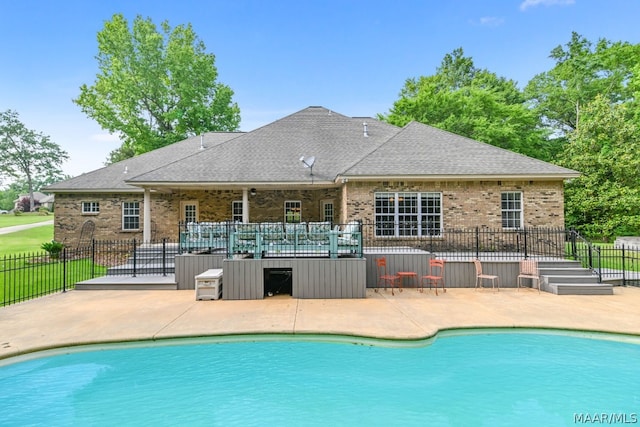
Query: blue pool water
point(489, 379)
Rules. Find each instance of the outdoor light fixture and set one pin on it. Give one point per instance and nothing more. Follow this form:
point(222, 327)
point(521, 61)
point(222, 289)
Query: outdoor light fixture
point(253, 191)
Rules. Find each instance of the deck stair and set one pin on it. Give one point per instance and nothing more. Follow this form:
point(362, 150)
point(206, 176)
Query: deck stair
point(570, 278)
point(148, 260)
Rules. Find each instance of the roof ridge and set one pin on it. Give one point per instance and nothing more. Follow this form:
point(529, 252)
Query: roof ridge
point(383, 143)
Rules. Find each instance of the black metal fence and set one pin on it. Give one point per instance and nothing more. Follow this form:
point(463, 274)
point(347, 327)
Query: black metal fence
point(28, 276)
point(477, 242)
point(32, 275)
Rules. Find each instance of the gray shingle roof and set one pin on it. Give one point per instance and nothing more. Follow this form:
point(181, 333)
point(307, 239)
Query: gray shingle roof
point(421, 150)
point(271, 155)
point(112, 177)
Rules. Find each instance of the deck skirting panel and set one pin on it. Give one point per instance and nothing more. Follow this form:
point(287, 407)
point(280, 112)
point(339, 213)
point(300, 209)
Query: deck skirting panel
point(311, 278)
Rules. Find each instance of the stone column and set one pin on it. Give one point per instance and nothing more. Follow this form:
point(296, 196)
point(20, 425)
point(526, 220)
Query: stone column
point(245, 205)
point(146, 227)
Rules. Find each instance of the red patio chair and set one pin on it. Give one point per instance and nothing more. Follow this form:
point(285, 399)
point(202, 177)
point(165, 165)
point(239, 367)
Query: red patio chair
point(435, 276)
point(386, 279)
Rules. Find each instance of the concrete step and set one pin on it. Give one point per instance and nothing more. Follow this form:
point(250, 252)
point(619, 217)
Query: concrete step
point(570, 278)
point(582, 278)
point(580, 288)
point(150, 282)
point(564, 271)
point(559, 264)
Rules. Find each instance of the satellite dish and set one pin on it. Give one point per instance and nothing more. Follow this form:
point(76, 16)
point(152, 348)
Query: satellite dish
point(308, 163)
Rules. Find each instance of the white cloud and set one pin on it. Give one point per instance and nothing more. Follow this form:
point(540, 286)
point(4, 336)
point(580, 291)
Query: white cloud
point(491, 21)
point(533, 3)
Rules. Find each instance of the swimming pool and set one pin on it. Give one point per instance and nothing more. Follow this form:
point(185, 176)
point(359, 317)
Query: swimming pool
point(485, 378)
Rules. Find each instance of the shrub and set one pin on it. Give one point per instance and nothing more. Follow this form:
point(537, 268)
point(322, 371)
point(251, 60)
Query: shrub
point(43, 211)
point(24, 204)
point(53, 248)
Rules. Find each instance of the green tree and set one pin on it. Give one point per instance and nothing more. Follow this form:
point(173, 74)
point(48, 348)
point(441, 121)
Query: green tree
point(605, 200)
point(471, 102)
point(582, 72)
point(27, 155)
point(155, 87)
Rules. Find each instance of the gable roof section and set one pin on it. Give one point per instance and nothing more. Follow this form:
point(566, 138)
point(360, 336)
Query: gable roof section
point(271, 154)
point(112, 178)
point(422, 151)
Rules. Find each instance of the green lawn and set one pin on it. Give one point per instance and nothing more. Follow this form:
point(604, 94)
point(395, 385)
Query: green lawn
point(22, 279)
point(611, 257)
point(25, 241)
point(7, 220)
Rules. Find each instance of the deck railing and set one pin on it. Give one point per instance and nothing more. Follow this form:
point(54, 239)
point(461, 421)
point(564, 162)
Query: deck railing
point(273, 239)
point(475, 242)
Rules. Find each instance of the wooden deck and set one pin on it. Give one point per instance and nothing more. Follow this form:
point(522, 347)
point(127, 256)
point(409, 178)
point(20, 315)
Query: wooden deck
point(349, 277)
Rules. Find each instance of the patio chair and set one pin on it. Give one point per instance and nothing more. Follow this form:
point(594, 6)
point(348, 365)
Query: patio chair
point(319, 232)
point(436, 274)
point(480, 276)
point(272, 232)
point(392, 280)
point(295, 233)
point(348, 236)
point(529, 270)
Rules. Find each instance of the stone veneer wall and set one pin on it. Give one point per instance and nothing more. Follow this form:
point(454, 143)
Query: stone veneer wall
point(214, 205)
point(466, 204)
point(469, 204)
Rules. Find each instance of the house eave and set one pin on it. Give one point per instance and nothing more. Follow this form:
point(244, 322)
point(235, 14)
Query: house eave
point(233, 185)
point(469, 177)
point(95, 190)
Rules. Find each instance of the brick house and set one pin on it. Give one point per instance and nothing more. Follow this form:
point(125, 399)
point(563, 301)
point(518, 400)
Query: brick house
point(414, 180)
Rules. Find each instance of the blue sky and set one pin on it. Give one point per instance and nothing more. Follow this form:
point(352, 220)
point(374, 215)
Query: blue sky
point(280, 56)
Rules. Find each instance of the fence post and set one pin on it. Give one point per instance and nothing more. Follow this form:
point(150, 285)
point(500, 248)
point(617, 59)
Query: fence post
point(164, 256)
point(93, 258)
point(525, 243)
point(599, 256)
point(64, 269)
point(624, 267)
point(477, 243)
point(135, 258)
point(574, 248)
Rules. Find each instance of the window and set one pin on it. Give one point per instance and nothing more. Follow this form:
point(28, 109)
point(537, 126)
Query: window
point(130, 215)
point(511, 210)
point(292, 211)
point(327, 211)
point(236, 211)
point(408, 214)
point(90, 207)
point(189, 211)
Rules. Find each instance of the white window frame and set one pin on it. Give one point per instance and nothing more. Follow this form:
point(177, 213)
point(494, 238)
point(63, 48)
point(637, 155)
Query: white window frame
point(90, 208)
point(292, 206)
point(237, 211)
point(408, 213)
point(186, 204)
point(511, 210)
point(327, 205)
point(132, 211)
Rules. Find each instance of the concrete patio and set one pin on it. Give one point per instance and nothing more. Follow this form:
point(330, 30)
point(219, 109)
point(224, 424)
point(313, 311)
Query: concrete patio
point(82, 317)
